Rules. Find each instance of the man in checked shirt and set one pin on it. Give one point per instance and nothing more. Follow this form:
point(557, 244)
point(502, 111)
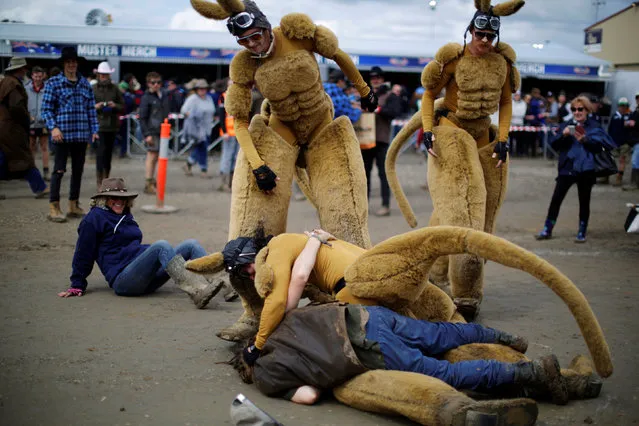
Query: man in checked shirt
point(69, 110)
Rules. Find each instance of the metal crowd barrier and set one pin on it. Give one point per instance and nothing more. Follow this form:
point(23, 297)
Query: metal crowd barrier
point(179, 146)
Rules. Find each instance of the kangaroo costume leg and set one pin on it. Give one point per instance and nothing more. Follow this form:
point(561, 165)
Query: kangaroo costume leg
point(250, 208)
point(458, 189)
point(338, 183)
point(429, 401)
point(496, 183)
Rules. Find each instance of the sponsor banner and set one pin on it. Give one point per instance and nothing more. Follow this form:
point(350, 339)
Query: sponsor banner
point(593, 41)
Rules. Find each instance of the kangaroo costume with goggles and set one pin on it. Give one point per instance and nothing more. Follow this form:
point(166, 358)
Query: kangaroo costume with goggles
point(465, 182)
point(300, 130)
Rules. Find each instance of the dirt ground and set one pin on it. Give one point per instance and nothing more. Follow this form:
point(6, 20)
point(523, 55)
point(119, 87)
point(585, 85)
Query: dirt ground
point(107, 360)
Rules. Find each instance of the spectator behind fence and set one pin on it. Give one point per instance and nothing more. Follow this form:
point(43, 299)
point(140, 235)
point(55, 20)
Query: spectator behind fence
point(154, 108)
point(199, 111)
point(517, 119)
point(576, 141)
point(16, 158)
point(108, 103)
point(563, 108)
point(341, 103)
point(176, 95)
point(38, 135)
point(68, 107)
point(620, 129)
point(230, 146)
point(110, 237)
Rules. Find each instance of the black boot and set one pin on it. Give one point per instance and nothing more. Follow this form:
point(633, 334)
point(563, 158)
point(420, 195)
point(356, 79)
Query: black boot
point(543, 375)
point(546, 233)
point(581, 234)
point(518, 343)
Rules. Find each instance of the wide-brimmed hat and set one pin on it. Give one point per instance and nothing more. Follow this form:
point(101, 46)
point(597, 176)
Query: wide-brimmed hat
point(114, 187)
point(104, 68)
point(70, 53)
point(376, 72)
point(16, 63)
point(201, 83)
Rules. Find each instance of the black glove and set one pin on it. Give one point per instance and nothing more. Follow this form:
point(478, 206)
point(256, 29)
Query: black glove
point(251, 354)
point(369, 102)
point(265, 178)
point(428, 140)
point(501, 149)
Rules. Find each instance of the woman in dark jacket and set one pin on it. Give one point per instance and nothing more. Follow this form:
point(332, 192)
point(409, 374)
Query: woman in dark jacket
point(110, 236)
point(576, 142)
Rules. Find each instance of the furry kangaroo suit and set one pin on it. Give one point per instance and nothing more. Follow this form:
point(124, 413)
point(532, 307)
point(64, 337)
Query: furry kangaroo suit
point(299, 129)
point(466, 186)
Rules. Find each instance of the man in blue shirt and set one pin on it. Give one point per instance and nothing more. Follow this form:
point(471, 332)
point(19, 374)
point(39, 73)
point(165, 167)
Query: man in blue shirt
point(343, 106)
point(69, 110)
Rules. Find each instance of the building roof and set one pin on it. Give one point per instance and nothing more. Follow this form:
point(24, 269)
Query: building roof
point(633, 4)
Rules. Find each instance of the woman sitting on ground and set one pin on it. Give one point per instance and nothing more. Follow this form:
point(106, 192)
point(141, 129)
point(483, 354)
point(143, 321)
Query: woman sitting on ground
point(111, 237)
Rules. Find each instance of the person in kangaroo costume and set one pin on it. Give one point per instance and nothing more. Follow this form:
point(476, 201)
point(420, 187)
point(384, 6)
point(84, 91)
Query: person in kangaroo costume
point(467, 162)
point(394, 274)
point(299, 131)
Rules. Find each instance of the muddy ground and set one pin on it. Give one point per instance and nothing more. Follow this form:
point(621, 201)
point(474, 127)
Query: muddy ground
point(107, 360)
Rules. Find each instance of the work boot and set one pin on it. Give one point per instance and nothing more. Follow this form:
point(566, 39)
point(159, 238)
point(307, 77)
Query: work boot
point(74, 210)
point(229, 292)
point(43, 194)
point(225, 186)
point(618, 179)
point(543, 375)
point(546, 233)
point(149, 187)
point(498, 412)
point(199, 289)
point(518, 343)
point(468, 307)
point(55, 214)
point(246, 326)
point(634, 181)
point(581, 234)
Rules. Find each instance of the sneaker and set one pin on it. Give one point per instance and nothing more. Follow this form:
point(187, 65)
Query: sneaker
point(383, 211)
point(580, 238)
point(43, 194)
point(187, 169)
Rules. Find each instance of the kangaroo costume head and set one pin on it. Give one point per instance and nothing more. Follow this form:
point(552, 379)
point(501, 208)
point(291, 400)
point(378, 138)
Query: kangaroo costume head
point(487, 17)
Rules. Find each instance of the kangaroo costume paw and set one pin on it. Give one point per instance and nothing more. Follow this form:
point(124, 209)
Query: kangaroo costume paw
point(244, 328)
point(207, 265)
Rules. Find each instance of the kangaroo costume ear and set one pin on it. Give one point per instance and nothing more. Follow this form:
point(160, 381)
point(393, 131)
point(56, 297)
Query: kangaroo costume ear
point(483, 5)
point(219, 11)
point(507, 8)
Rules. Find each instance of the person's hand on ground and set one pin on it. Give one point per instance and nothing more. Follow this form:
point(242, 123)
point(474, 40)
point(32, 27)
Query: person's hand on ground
point(71, 293)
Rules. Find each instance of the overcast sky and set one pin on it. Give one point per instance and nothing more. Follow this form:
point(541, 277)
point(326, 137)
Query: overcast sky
point(559, 21)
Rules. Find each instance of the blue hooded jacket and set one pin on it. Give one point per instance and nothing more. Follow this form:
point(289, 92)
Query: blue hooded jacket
point(110, 239)
point(576, 157)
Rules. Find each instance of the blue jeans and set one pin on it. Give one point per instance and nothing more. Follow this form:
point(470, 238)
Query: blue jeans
point(32, 175)
point(411, 345)
point(199, 155)
point(147, 272)
point(635, 156)
point(230, 148)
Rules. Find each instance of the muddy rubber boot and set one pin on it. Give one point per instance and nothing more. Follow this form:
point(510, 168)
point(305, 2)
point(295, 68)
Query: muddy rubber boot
point(55, 214)
point(504, 412)
point(634, 181)
point(468, 307)
point(229, 293)
point(74, 210)
point(543, 375)
point(196, 286)
point(518, 343)
point(546, 233)
point(581, 380)
point(149, 188)
point(246, 326)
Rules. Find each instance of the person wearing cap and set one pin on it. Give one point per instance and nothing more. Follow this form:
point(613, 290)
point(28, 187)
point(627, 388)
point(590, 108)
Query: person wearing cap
point(199, 111)
point(109, 236)
point(108, 103)
point(230, 147)
point(68, 107)
point(620, 128)
point(341, 103)
point(297, 129)
point(16, 157)
point(38, 136)
point(466, 174)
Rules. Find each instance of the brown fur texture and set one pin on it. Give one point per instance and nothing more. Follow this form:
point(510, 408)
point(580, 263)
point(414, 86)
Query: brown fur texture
point(432, 73)
point(505, 50)
point(207, 264)
point(218, 11)
point(399, 266)
point(484, 351)
point(508, 8)
point(263, 274)
point(243, 67)
point(236, 103)
point(483, 5)
point(297, 26)
point(326, 42)
point(515, 79)
point(496, 180)
point(479, 96)
point(433, 304)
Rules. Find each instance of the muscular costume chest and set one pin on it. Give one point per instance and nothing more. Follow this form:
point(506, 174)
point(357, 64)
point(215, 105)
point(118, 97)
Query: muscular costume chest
point(479, 81)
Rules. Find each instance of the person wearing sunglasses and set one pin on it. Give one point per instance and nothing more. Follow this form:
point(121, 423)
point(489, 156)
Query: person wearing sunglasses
point(576, 141)
point(467, 171)
point(296, 129)
point(154, 108)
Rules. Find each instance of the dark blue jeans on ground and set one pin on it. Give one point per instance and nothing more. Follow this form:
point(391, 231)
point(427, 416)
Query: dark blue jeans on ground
point(199, 155)
point(411, 345)
point(147, 272)
point(32, 176)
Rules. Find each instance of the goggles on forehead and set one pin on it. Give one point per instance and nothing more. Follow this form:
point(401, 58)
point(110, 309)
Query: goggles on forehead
point(483, 22)
point(241, 21)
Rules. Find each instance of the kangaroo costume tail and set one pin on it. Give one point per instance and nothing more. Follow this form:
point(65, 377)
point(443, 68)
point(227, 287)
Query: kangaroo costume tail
point(400, 266)
point(391, 159)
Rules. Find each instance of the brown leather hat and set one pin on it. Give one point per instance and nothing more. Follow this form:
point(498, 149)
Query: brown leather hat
point(114, 187)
